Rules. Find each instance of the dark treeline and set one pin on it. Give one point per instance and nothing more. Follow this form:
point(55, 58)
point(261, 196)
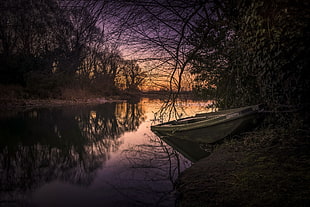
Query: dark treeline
point(47, 46)
point(240, 52)
point(254, 52)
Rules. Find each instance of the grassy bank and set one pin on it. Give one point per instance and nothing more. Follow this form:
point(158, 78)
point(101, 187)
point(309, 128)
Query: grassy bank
point(14, 97)
point(267, 167)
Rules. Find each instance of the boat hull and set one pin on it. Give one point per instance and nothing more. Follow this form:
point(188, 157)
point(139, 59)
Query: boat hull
point(213, 133)
point(209, 130)
point(189, 149)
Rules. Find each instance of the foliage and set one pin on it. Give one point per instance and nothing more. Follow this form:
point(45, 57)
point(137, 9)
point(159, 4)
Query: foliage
point(264, 46)
point(26, 38)
point(49, 45)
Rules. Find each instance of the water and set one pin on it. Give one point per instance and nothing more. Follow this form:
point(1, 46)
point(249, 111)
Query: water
point(104, 155)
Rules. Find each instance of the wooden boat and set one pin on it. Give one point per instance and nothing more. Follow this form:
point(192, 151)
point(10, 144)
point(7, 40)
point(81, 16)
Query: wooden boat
point(209, 127)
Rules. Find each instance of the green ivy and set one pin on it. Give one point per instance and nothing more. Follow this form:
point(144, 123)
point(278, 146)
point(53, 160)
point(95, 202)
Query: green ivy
point(267, 57)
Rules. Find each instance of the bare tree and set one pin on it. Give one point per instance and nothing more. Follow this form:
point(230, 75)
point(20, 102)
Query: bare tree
point(131, 76)
point(163, 31)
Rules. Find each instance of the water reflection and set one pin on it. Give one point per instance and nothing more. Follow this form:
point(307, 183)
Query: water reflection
point(67, 144)
point(151, 171)
point(193, 151)
point(101, 155)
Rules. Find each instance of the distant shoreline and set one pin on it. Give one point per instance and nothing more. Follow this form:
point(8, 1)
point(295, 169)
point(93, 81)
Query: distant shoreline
point(15, 101)
point(24, 104)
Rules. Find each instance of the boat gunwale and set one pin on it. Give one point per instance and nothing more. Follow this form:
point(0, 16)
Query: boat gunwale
point(242, 112)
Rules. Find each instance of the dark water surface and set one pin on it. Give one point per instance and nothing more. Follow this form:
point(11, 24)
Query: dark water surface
point(102, 155)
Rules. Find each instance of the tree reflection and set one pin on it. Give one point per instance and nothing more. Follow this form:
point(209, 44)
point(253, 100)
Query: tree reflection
point(152, 172)
point(130, 115)
point(175, 108)
point(67, 144)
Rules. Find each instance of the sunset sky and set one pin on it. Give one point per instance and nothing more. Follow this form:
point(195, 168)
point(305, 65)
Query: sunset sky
point(156, 34)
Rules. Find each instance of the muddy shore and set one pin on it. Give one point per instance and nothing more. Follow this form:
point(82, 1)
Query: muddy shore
point(25, 104)
point(269, 167)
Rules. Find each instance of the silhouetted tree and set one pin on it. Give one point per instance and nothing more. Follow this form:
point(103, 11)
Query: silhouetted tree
point(257, 53)
point(131, 76)
point(29, 32)
point(50, 45)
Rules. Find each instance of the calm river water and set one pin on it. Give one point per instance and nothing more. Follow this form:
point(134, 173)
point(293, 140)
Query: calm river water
point(103, 155)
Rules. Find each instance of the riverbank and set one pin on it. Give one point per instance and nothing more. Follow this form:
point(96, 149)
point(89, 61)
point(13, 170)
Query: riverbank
point(17, 98)
point(268, 167)
point(25, 104)
point(73, 97)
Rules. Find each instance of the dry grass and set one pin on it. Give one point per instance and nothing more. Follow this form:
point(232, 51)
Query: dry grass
point(12, 92)
point(71, 94)
point(269, 167)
